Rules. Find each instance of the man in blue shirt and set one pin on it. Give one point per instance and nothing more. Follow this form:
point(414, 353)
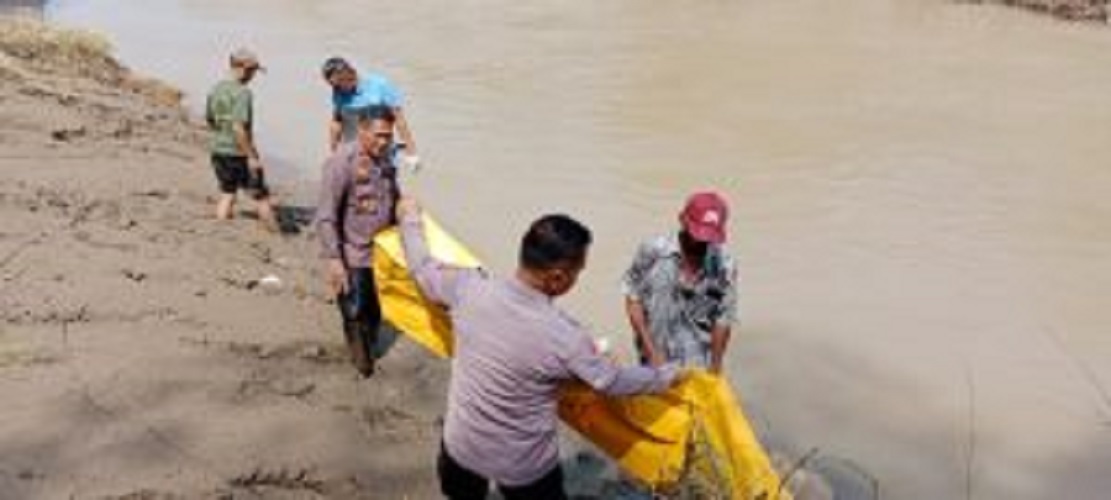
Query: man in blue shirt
point(353, 95)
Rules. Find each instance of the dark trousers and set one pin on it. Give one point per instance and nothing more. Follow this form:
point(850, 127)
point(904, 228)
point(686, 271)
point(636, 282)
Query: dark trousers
point(233, 174)
point(362, 315)
point(459, 483)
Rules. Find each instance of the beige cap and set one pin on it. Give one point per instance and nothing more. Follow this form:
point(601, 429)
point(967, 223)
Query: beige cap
point(245, 58)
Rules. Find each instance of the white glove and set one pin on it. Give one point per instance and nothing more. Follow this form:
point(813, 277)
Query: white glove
point(411, 162)
point(602, 345)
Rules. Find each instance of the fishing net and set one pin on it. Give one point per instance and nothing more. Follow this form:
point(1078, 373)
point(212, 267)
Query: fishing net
point(709, 474)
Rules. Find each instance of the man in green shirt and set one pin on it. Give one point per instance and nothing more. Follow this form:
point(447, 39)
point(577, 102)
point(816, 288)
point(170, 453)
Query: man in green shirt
point(235, 158)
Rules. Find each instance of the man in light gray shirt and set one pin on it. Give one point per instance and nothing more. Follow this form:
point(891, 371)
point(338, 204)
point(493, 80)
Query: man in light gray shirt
point(513, 350)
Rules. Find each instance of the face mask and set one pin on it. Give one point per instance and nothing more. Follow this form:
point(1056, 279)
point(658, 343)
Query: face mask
point(711, 262)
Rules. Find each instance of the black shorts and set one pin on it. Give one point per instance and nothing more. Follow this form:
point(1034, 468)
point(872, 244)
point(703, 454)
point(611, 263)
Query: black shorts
point(233, 174)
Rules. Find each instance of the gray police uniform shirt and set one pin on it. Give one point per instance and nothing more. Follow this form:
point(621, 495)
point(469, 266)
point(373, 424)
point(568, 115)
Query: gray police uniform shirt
point(355, 204)
point(513, 350)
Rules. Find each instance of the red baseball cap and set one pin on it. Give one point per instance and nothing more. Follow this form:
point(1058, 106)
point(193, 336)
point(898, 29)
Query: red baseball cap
point(704, 217)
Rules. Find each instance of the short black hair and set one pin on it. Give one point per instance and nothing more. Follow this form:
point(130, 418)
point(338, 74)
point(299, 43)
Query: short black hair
point(554, 240)
point(377, 112)
point(334, 65)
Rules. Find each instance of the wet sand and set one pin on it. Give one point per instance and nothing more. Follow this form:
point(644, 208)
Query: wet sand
point(139, 355)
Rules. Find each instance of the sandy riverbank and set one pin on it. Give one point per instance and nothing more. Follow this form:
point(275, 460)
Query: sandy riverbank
point(138, 356)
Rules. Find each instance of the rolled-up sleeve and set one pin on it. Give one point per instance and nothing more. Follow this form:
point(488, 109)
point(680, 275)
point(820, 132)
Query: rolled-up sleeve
point(730, 307)
point(633, 281)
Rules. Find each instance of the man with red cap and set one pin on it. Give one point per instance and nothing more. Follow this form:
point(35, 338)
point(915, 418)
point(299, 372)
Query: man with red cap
point(681, 289)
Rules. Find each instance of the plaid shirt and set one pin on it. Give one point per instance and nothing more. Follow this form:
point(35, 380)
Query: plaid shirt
point(682, 313)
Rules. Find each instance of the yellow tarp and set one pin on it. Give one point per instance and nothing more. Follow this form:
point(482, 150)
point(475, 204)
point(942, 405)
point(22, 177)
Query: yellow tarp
point(402, 303)
point(696, 431)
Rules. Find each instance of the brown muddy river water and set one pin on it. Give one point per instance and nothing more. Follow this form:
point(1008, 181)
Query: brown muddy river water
point(921, 191)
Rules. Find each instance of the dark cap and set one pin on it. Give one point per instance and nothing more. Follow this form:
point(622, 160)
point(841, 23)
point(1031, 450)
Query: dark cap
point(704, 217)
point(334, 65)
